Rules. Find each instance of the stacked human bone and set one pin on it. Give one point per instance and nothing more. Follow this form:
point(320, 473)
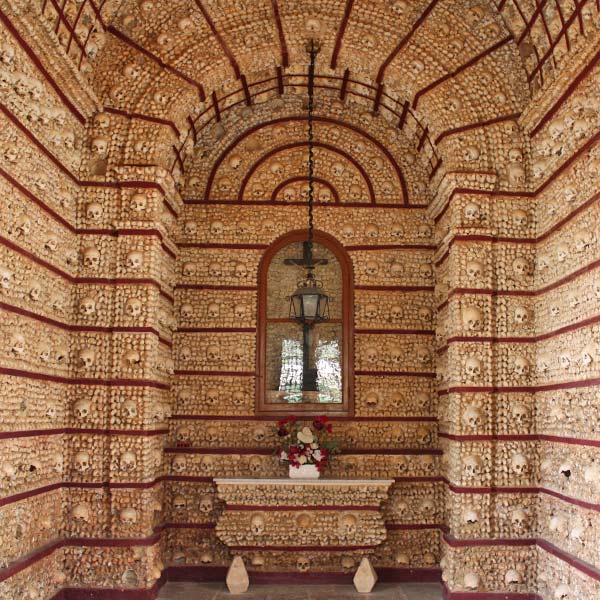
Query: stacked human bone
point(132, 208)
point(308, 520)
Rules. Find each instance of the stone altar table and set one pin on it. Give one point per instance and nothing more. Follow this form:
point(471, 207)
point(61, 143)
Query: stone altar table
point(304, 516)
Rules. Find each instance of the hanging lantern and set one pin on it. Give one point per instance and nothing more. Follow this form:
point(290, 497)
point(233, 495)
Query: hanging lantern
point(309, 304)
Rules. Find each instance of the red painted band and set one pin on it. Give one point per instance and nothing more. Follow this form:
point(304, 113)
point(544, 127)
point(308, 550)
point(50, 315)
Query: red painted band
point(83, 381)
point(270, 452)
point(416, 419)
point(298, 508)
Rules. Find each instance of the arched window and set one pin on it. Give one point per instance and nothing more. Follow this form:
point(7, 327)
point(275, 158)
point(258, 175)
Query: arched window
point(304, 370)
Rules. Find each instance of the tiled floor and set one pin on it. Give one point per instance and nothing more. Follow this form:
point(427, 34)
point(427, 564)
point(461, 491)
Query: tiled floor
point(383, 591)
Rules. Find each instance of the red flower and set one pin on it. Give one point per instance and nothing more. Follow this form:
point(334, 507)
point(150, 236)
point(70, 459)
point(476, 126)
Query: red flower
point(328, 428)
point(282, 431)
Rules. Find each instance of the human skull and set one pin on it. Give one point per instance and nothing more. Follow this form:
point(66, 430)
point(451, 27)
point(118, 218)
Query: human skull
point(255, 464)
point(128, 515)
point(348, 525)
point(87, 358)
point(129, 409)
point(179, 502)
point(128, 461)
point(303, 564)
point(396, 269)
point(99, 146)
point(134, 260)
point(512, 577)
point(472, 212)
point(6, 277)
point(519, 464)
point(521, 315)
point(475, 270)
point(91, 257)
point(17, 345)
point(188, 269)
point(584, 239)
point(87, 306)
point(472, 318)
point(82, 408)
point(472, 465)
point(562, 252)
point(515, 174)
point(213, 353)
point(131, 359)
point(186, 310)
point(214, 269)
point(371, 268)
point(472, 417)
point(520, 267)
point(518, 518)
point(587, 356)
point(564, 360)
point(519, 413)
point(521, 366)
point(133, 307)
point(206, 504)
point(81, 513)
point(473, 367)
point(371, 354)
point(139, 202)
point(519, 218)
point(82, 461)
point(257, 524)
point(93, 211)
point(422, 354)
point(562, 592)
point(471, 580)
point(241, 270)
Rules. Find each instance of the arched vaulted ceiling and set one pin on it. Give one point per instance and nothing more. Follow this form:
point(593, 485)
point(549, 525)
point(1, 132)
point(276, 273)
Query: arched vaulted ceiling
point(448, 79)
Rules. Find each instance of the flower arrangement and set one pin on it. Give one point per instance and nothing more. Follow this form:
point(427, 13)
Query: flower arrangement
point(304, 445)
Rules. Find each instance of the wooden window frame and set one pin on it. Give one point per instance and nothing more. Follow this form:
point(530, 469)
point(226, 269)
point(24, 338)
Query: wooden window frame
point(346, 407)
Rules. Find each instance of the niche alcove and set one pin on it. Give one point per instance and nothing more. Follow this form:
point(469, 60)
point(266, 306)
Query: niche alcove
point(300, 369)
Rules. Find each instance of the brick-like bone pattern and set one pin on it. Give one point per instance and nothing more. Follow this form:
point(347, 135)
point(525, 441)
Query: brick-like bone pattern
point(103, 283)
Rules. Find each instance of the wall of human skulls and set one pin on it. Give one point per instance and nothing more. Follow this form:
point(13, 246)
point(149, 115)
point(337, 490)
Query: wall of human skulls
point(517, 297)
point(128, 317)
point(213, 432)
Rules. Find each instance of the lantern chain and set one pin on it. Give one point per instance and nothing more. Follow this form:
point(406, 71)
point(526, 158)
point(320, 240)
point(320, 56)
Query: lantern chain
point(311, 160)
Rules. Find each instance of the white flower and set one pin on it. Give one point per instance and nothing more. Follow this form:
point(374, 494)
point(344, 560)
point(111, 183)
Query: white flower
point(306, 436)
point(283, 455)
point(317, 455)
point(314, 445)
point(302, 460)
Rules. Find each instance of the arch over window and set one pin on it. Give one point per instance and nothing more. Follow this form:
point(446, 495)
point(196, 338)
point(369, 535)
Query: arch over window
point(304, 371)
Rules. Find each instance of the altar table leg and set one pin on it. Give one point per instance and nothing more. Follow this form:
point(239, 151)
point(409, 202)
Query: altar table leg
point(237, 577)
point(365, 577)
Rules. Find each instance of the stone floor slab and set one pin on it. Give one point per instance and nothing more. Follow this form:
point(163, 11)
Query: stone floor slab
point(382, 591)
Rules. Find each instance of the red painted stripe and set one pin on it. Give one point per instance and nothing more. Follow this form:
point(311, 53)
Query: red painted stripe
point(127, 40)
point(416, 419)
point(396, 331)
point(217, 373)
point(36, 61)
point(460, 69)
point(284, 51)
point(216, 330)
point(283, 548)
point(527, 340)
point(4, 435)
point(340, 33)
point(299, 508)
point(143, 117)
point(392, 247)
point(405, 40)
point(428, 375)
point(338, 122)
point(84, 381)
point(395, 288)
point(69, 327)
point(292, 145)
point(526, 388)
point(222, 43)
point(269, 451)
point(201, 286)
point(477, 125)
point(573, 85)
